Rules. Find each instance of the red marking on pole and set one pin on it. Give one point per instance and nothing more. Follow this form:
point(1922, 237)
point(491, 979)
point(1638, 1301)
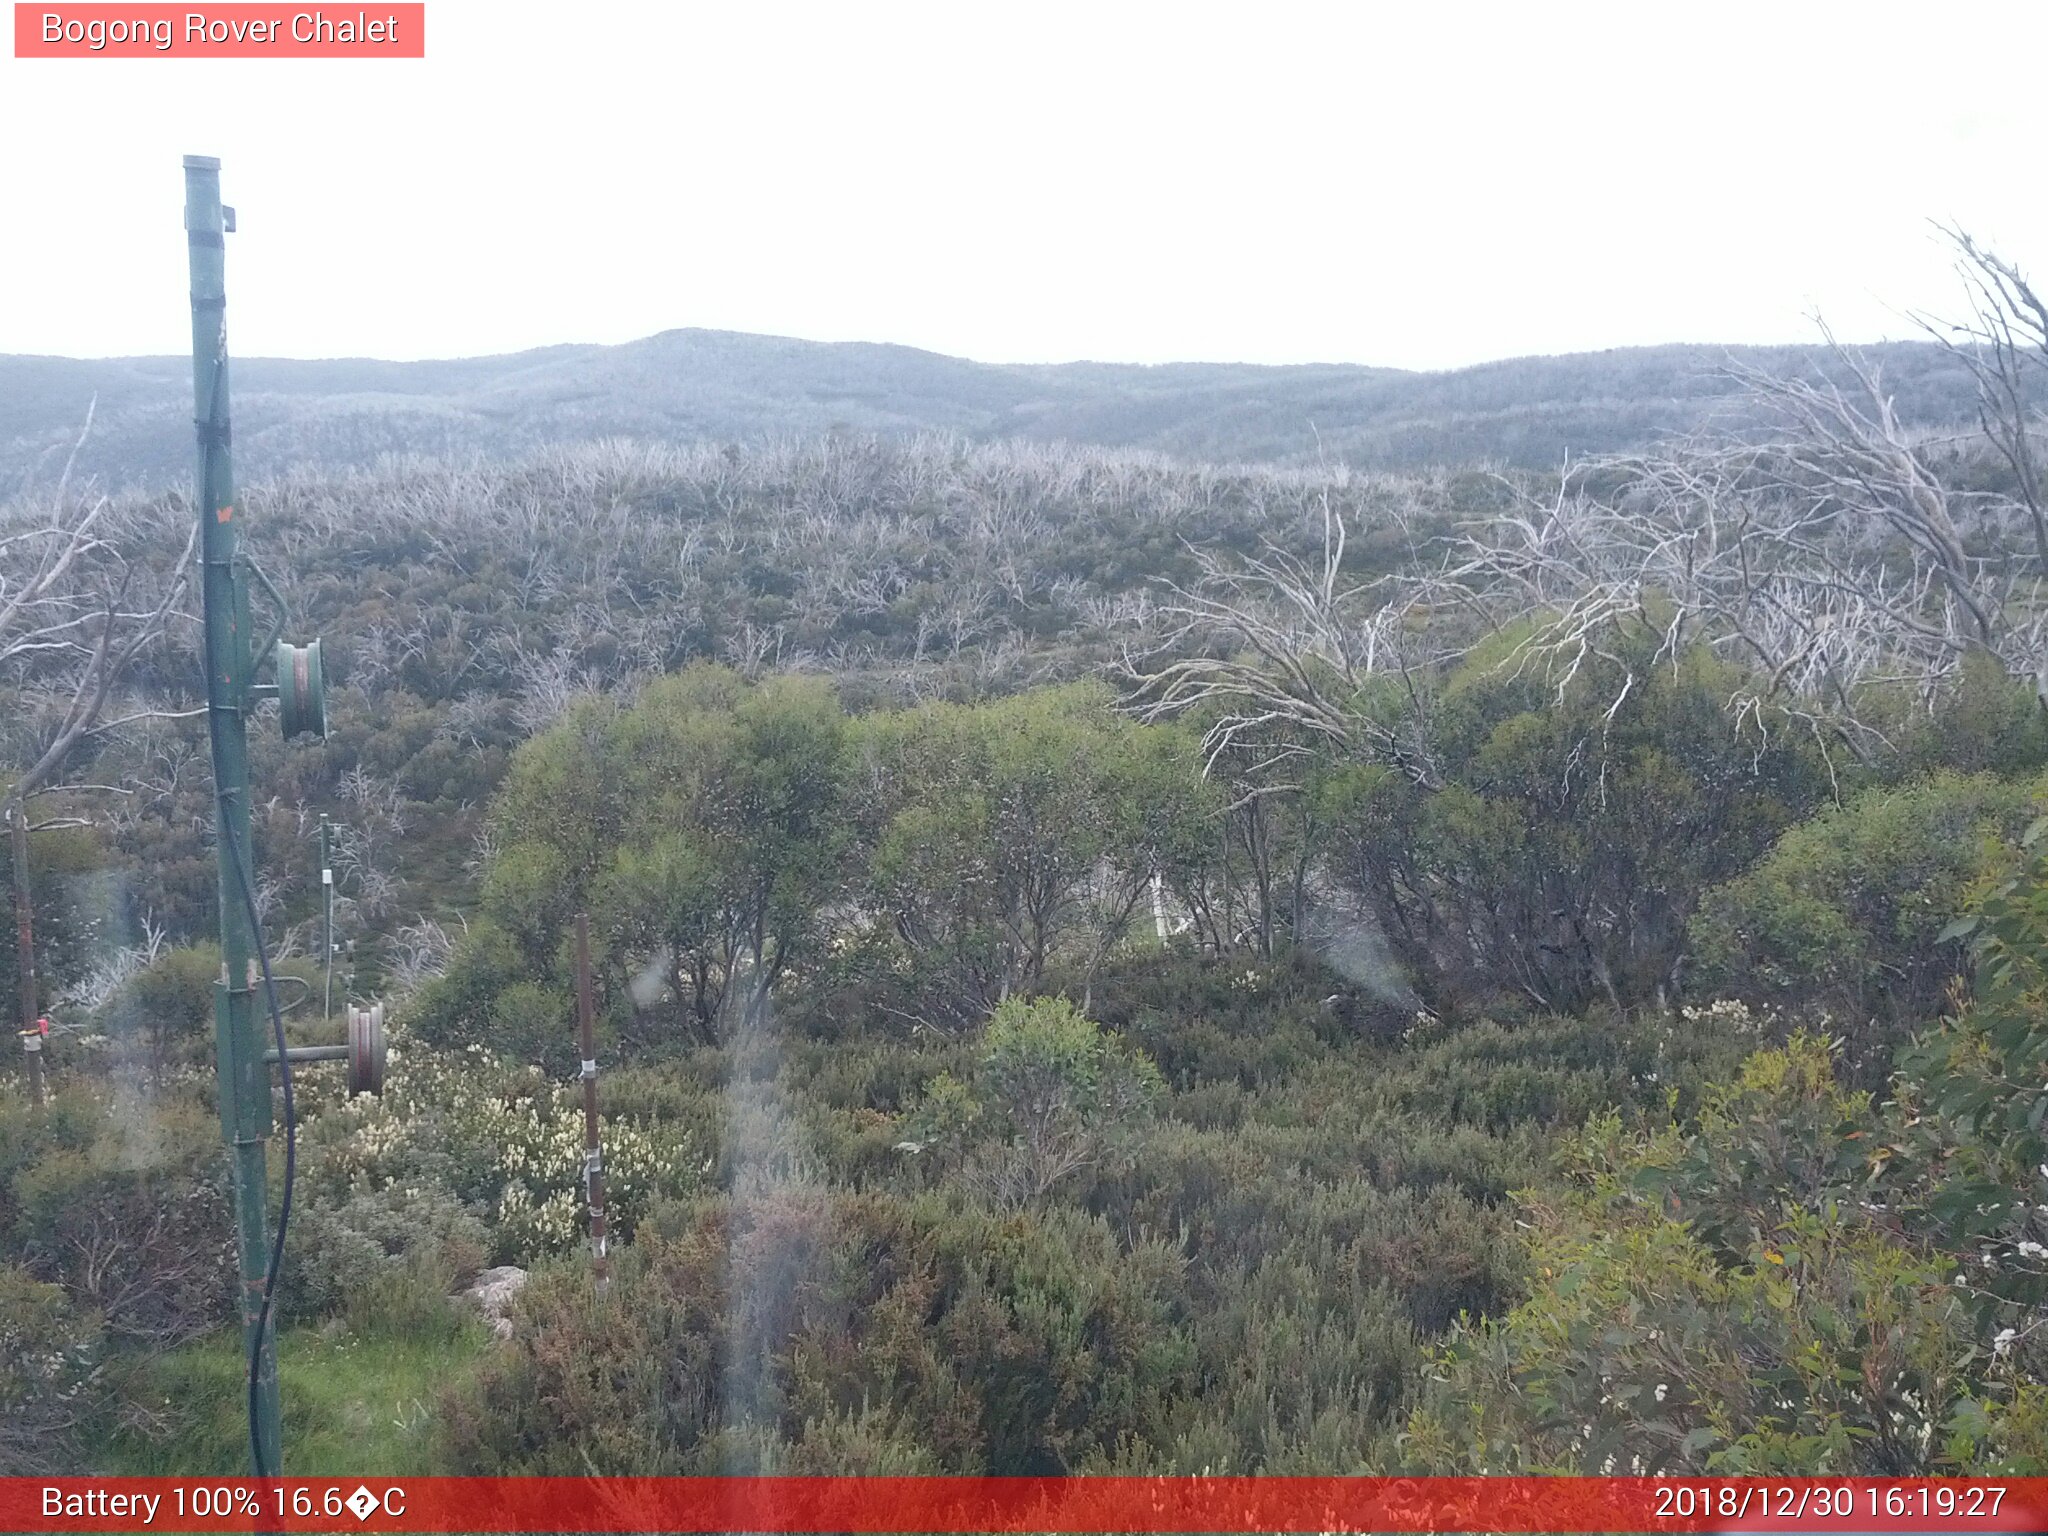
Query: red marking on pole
point(223, 514)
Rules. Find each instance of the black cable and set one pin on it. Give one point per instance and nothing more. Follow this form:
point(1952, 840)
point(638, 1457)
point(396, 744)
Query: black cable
point(210, 438)
point(291, 1150)
point(239, 857)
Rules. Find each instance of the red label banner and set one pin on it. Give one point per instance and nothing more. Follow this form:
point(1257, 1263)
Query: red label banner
point(902, 1506)
point(224, 31)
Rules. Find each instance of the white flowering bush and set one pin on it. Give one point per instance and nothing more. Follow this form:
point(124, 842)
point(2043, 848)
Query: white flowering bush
point(505, 1140)
point(1739, 1017)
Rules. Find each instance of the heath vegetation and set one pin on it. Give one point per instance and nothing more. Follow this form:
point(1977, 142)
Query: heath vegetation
point(1104, 962)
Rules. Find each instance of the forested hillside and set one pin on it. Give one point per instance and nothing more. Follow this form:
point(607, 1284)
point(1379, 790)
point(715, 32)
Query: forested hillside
point(685, 387)
point(1105, 962)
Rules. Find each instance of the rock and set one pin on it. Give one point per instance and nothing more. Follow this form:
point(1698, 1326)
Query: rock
point(493, 1293)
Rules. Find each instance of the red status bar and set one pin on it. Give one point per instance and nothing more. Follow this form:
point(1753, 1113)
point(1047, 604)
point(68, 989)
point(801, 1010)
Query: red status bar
point(904, 1505)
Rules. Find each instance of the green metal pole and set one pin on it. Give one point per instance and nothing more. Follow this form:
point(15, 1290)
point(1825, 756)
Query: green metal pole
point(244, 1078)
point(327, 925)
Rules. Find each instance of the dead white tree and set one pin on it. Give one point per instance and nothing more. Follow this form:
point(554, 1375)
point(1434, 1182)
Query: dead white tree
point(365, 842)
point(2004, 344)
point(79, 602)
point(1730, 547)
point(1285, 654)
point(1838, 554)
point(548, 683)
point(419, 951)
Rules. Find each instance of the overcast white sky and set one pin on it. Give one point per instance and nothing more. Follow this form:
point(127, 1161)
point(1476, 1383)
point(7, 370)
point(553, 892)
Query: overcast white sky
point(1420, 185)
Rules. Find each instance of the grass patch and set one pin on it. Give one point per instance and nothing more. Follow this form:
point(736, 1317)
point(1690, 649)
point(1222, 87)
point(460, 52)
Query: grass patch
point(354, 1406)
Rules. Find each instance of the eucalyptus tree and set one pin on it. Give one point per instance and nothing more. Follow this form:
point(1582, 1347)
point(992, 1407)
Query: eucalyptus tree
point(703, 827)
point(1019, 835)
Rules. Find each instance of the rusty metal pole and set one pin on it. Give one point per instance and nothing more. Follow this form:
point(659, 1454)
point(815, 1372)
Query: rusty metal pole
point(25, 959)
point(593, 1154)
point(327, 923)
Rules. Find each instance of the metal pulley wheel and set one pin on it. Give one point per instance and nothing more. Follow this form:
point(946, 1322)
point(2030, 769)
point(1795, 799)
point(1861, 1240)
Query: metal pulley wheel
point(366, 1050)
point(301, 689)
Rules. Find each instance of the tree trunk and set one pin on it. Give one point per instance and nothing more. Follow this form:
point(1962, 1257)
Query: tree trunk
point(25, 940)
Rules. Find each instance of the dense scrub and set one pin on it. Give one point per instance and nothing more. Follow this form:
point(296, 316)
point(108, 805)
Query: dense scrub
point(888, 1252)
point(462, 608)
point(1101, 964)
point(959, 1118)
point(1238, 1280)
point(1804, 1279)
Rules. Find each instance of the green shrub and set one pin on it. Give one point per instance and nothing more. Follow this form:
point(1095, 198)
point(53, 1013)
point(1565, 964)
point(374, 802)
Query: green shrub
point(1846, 913)
point(530, 1022)
point(1028, 1341)
point(373, 1257)
point(1302, 1365)
point(1710, 1304)
point(1967, 1164)
point(73, 1118)
point(1561, 858)
point(1019, 834)
point(453, 1011)
point(1210, 1019)
point(51, 1381)
point(1992, 723)
point(67, 931)
point(1050, 1095)
point(163, 1014)
point(588, 1386)
point(135, 1223)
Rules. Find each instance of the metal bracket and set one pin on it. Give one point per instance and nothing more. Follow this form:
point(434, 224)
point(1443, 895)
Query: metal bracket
point(277, 601)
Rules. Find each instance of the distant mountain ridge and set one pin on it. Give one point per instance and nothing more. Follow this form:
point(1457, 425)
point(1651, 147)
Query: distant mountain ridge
point(694, 385)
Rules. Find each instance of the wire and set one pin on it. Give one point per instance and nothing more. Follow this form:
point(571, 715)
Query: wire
point(239, 856)
point(291, 1159)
